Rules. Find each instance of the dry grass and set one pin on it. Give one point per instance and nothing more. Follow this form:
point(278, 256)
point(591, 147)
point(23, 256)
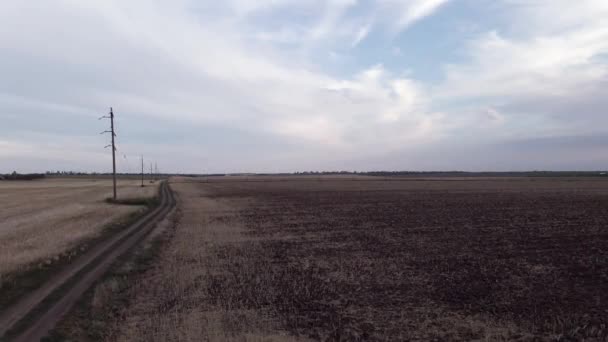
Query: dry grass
point(40, 220)
point(180, 299)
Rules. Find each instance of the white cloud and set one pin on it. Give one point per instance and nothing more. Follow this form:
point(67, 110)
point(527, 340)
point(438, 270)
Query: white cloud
point(554, 64)
point(416, 10)
point(330, 22)
point(551, 53)
point(493, 115)
point(361, 34)
point(160, 60)
point(253, 66)
point(403, 13)
point(551, 46)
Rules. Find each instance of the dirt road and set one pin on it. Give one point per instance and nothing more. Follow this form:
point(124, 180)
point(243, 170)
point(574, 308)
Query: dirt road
point(36, 314)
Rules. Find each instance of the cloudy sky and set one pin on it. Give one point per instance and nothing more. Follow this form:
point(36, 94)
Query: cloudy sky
point(293, 85)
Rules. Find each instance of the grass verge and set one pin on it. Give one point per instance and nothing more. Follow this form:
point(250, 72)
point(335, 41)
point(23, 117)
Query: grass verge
point(139, 201)
point(100, 306)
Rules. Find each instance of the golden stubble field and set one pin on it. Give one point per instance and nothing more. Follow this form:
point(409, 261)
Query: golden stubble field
point(41, 219)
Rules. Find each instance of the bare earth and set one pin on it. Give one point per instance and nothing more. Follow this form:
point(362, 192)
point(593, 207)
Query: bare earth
point(342, 259)
point(39, 220)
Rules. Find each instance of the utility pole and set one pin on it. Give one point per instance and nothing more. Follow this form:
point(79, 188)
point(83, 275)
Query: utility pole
point(111, 117)
point(142, 171)
point(151, 174)
point(155, 171)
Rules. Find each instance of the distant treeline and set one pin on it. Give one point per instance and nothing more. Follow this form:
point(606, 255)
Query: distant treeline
point(84, 174)
point(32, 176)
point(433, 174)
point(445, 173)
point(489, 174)
point(68, 173)
point(18, 176)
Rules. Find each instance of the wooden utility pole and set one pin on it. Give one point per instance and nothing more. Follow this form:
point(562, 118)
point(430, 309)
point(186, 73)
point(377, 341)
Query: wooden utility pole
point(113, 152)
point(142, 171)
point(111, 131)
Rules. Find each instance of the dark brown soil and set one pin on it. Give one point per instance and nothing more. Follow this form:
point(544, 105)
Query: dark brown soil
point(445, 260)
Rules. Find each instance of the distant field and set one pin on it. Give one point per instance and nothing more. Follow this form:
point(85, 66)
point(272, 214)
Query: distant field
point(347, 259)
point(41, 219)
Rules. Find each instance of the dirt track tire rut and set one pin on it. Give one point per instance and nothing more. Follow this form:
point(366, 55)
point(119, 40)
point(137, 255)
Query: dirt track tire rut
point(76, 279)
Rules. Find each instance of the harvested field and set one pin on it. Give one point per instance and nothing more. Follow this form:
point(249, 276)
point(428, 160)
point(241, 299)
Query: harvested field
point(40, 220)
point(380, 260)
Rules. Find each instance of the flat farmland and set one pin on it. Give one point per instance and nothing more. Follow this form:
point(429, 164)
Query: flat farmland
point(42, 219)
point(347, 259)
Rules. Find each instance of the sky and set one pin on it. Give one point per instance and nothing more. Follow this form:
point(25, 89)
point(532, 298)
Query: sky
point(293, 85)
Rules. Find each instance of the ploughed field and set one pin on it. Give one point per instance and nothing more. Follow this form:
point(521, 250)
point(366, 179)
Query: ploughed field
point(382, 260)
point(42, 220)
